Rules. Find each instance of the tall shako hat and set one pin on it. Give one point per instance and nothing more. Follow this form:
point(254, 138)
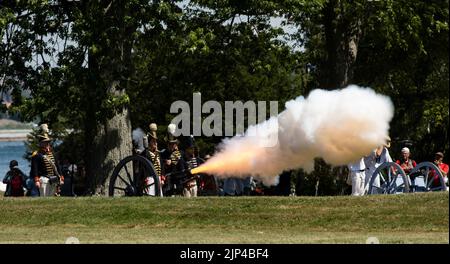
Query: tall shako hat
point(43, 136)
point(190, 142)
point(171, 138)
point(153, 127)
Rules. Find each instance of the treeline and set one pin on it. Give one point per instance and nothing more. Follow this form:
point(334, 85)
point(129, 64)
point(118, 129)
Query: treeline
point(102, 68)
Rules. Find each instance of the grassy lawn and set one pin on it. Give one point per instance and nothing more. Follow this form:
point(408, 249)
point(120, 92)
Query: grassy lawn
point(412, 218)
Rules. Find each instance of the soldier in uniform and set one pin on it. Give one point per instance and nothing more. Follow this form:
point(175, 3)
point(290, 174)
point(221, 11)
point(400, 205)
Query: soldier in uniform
point(171, 160)
point(154, 156)
point(191, 161)
point(44, 171)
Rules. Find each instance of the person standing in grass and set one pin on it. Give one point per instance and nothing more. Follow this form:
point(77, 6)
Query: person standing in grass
point(15, 180)
point(171, 160)
point(377, 157)
point(153, 155)
point(44, 171)
point(357, 176)
point(190, 186)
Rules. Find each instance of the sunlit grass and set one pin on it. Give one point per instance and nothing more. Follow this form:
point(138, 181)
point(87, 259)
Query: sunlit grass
point(412, 218)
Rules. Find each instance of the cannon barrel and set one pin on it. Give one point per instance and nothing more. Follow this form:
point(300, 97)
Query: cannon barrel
point(182, 176)
point(180, 172)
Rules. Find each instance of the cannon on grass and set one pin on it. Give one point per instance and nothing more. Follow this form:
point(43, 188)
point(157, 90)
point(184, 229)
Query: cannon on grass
point(427, 177)
point(136, 176)
point(390, 178)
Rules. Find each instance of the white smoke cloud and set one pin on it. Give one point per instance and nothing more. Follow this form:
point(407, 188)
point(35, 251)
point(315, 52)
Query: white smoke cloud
point(340, 126)
point(138, 136)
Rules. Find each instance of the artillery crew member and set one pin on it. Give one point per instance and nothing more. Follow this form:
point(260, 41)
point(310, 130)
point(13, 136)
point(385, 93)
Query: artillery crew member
point(190, 161)
point(44, 171)
point(172, 154)
point(357, 176)
point(377, 157)
point(154, 157)
point(171, 161)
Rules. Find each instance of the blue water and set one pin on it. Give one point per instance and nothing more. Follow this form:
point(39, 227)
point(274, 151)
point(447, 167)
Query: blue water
point(13, 150)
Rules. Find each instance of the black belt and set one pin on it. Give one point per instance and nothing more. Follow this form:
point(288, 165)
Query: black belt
point(48, 176)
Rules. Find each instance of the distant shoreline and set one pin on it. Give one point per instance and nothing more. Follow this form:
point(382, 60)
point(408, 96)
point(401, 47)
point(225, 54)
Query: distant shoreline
point(13, 139)
point(7, 135)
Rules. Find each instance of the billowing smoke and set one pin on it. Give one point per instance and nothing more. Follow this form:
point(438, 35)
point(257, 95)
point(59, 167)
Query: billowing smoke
point(138, 135)
point(340, 126)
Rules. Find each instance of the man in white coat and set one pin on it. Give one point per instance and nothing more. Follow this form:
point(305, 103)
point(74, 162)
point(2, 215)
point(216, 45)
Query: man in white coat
point(357, 175)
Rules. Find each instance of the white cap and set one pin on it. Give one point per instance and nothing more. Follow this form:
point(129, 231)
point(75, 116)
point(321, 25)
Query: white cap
point(405, 150)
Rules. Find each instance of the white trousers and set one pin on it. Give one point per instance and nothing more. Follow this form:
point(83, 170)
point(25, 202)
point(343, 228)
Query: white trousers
point(46, 188)
point(190, 192)
point(150, 189)
point(358, 178)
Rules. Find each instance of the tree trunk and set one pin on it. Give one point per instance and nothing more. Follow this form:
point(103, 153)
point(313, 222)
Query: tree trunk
point(342, 34)
point(108, 140)
point(316, 187)
point(111, 144)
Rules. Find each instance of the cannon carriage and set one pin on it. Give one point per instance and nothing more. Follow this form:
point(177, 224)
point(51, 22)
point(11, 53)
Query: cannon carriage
point(136, 175)
point(390, 178)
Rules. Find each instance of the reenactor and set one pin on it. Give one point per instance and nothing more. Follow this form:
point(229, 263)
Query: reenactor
point(172, 161)
point(154, 156)
point(46, 175)
point(191, 160)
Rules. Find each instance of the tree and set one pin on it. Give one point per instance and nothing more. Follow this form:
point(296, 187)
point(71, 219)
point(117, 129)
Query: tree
point(228, 51)
point(398, 48)
point(85, 88)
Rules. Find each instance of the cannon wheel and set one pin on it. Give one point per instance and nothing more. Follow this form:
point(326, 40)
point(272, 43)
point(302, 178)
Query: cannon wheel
point(388, 173)
point(426, 170)
point(128, 177)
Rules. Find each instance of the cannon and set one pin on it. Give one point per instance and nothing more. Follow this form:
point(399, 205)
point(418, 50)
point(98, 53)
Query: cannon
point(426, 177)
point(389, 178)
point(135, 175)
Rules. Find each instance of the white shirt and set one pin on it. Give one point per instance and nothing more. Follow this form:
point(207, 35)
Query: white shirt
point(357, 165)
point(372, 161)
point(384, 157)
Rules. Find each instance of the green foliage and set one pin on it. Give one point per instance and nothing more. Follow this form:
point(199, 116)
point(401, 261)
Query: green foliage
point(224, 61)
point(402, 51)
point(32, 143)
point(404, 54)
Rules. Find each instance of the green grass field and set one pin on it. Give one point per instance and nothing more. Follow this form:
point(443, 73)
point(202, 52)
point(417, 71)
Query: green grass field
point(411, 218)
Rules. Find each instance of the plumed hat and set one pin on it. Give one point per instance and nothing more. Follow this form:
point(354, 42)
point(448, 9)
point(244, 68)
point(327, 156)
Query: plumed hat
point(153, 127)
